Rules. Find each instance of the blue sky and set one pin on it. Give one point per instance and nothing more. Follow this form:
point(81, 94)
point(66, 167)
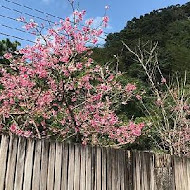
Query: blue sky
point(120, 12)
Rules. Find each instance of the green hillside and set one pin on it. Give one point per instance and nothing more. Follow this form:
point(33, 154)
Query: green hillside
point(170, 27)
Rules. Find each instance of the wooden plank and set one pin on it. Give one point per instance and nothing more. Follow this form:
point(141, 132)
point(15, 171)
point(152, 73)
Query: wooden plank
point(126, 170)
point(104, 169)
point(36, 166)
point(77, 163)
point(83, 169)
point(58, 166)
point(88, 168)
point(118, 168)
point(9, 184)
point(136, 170)
point(185, 172)
point(143, 170)
point(180, 173)
point(113, 167)
point(121, 168)
point(71, 167)
point(129, 169)
point(163, 172)
point(28, 165)
point(64, 184)
point(19, 174)
point(109, 169)
point(3, 159)
point(177, 173)
point(188, 172)
point(93, 170)
point(99, 169)
point(51, 167)
point(151, 171)
point(44, 165)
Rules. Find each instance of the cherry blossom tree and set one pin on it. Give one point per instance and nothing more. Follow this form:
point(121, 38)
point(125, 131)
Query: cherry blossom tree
point(55, 90)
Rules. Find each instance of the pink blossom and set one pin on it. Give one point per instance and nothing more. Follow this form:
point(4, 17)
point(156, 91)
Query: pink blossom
point(138, 97)
point(21, 19)
point(130, 87)
point(27, 134)
point(159, 102)
point(105, 19)
point(79, 66)
point(110, 78)
point(13, 128)
point(30, 25)
point(89, 22)
point(163, 80)
point(94, 41)
point(186, 107)
point(8, 56)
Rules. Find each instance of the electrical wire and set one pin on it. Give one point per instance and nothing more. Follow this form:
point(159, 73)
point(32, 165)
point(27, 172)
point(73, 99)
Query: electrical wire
point(37, 10)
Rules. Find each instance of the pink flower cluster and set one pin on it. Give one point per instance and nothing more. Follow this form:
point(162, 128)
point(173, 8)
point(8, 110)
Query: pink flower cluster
point(56, 89)
point(130, 87)
point(19, 132)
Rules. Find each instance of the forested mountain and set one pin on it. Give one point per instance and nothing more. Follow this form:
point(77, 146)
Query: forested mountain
point(170, 27)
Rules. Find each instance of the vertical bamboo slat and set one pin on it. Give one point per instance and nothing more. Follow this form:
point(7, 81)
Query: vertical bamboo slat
point(3, 159)
point(36, 166)
point(19, 174)
point(104, 168)
point(58, 166)
point(88, 168)
point(77, 165)
point(27, 164)
point(44, 165)
point(51, 167)
point(109, 169)
point(65, 160)
point(71, 168)
point(9, 183)
point(83, 169)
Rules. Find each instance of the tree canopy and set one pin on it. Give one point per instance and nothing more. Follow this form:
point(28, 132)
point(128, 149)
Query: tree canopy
point(170, 27)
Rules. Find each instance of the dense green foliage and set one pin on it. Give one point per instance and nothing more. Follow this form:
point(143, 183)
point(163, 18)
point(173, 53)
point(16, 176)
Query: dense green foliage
point(169, 26)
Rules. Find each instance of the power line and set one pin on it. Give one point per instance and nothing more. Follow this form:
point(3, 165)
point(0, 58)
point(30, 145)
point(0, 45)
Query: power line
point(14, 19)
point(20, 38)
point(20, 30)
point(24, 13)
point(15, 10)
point(10, 27)
point(37, 10)
point(33, 9)
point(16, 37)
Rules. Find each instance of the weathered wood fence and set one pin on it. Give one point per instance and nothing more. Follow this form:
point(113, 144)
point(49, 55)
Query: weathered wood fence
point(39, 165)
